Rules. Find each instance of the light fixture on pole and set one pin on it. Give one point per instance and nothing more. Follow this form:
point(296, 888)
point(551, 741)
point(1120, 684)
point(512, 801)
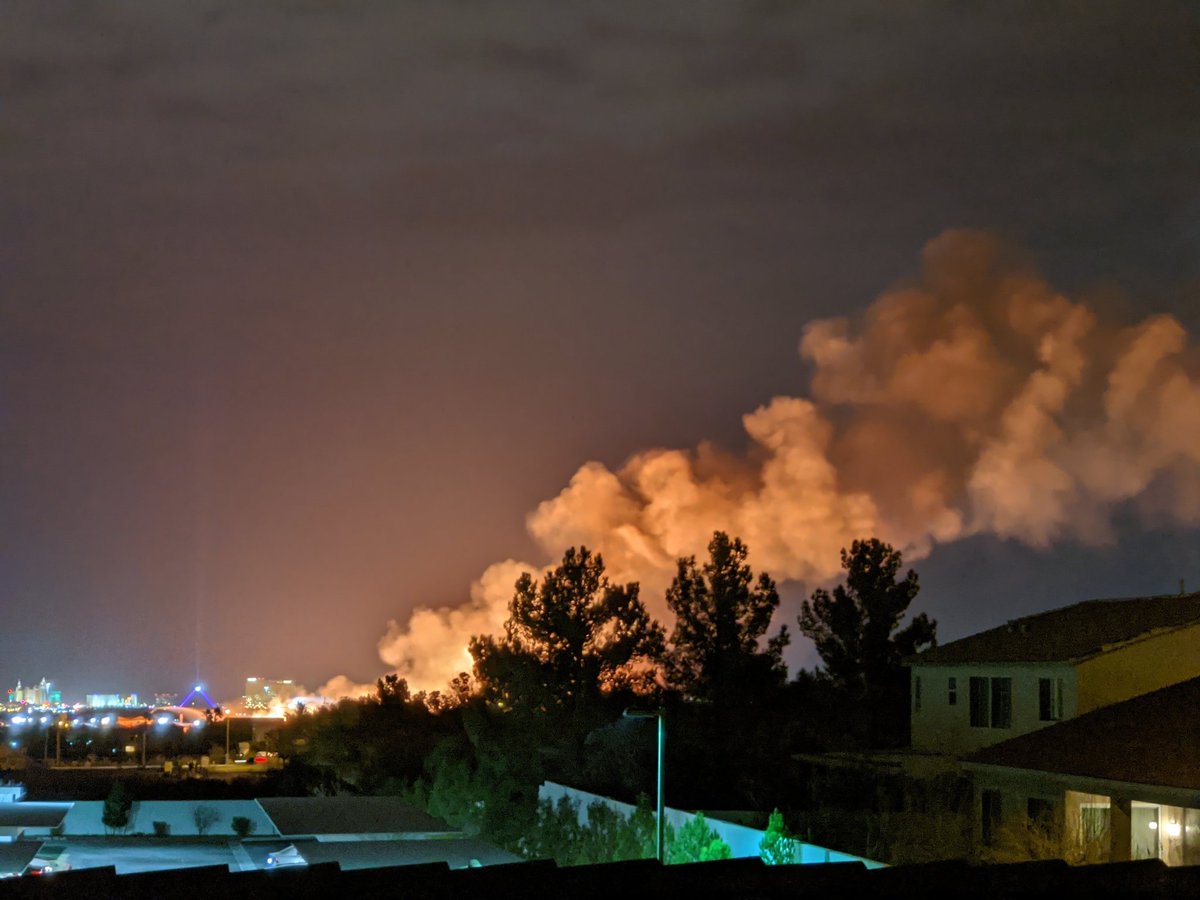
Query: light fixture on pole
point(659, 714)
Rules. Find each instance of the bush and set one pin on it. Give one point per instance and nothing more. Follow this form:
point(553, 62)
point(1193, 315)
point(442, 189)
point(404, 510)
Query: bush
point(243, 826)
point(162, 829)
point(777, 847)
point(696, 842)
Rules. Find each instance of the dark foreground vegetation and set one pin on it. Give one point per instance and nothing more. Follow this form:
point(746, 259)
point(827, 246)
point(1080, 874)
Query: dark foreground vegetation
point(546, 701)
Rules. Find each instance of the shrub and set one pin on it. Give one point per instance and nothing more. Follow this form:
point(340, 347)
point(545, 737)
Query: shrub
point(696, 842)
point(777, 847)
point(243, 826)
point(162, 829)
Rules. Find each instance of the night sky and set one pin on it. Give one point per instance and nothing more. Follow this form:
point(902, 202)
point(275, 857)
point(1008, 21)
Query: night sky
point(305, 306)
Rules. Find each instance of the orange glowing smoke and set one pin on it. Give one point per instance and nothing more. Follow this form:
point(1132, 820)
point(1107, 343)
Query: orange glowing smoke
point(976, 400)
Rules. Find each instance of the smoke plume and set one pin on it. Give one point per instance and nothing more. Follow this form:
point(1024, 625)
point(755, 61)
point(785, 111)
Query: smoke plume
point(975, 400)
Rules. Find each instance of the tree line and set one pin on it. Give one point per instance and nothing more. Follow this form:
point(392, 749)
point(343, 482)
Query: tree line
point(546, 698)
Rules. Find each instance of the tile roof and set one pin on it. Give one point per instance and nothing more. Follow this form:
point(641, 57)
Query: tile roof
point(350, 815)
point(1111, 743)
point(1070, 633)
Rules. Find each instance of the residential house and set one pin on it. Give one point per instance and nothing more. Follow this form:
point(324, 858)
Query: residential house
point(1050, 667)
point(1121, 782)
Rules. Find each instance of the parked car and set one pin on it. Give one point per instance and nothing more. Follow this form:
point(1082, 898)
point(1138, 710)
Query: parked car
point(288, 856)
point(51, 858)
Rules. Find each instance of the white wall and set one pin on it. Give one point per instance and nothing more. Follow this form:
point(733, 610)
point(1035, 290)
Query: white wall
point(743, 841)
point(85, 817)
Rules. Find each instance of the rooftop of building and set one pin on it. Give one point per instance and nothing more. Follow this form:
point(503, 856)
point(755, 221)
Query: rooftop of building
point(33, 815)
point(1069, 634)
point(726, 878)
point(350, 815)
point(457, 853)
point(1111, 743)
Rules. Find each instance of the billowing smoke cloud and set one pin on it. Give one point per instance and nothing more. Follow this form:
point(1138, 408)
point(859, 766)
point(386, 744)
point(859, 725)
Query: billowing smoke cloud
point(976, 400)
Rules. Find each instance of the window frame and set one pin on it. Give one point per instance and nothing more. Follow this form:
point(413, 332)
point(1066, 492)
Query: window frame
point(1001, 702)
point(980, 701)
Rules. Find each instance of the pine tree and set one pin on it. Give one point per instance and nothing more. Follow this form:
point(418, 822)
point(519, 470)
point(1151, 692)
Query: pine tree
point(777, 847)
point(117, 806)
point(721, 615)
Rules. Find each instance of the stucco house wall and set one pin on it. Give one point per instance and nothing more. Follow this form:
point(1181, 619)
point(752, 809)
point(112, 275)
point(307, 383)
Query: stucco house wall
point(939, 727)
point(1139, 667)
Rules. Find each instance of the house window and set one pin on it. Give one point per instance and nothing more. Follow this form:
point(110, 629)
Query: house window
point(979, 702)
point(1050, 699)
point(952, 692)
point(917, 694)
point(991, 702)
point(1001, 702)
point(989, 815)
point(1094, 822)
point(1041, 812)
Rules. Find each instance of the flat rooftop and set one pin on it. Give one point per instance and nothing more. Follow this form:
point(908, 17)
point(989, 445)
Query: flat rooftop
point(33, 815)
point(315, 816)
point(457, 853)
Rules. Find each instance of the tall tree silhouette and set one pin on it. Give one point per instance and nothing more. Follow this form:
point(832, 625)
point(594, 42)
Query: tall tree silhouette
point(568, 640)
point(857, 632)
point(721, 614)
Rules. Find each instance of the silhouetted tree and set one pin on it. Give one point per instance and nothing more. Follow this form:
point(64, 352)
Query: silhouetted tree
point(856, 629)
point(117, 806)
point(721, 614)
point(204, 817)
point(568, 639)
point(392, 690)
point(243, 826)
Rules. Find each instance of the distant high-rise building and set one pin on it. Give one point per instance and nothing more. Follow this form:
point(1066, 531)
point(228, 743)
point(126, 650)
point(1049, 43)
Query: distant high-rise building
point(103, 701)
point(41, 694)
point(166, 699)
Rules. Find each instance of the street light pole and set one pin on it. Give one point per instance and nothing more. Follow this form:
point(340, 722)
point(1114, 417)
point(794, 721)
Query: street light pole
point(662, 766)
point(660, 714)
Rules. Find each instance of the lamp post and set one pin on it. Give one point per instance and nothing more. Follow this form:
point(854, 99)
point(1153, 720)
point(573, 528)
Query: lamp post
point(659, 714)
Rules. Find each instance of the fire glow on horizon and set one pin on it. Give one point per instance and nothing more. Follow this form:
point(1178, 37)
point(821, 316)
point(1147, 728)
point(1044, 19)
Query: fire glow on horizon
point(975, 400)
